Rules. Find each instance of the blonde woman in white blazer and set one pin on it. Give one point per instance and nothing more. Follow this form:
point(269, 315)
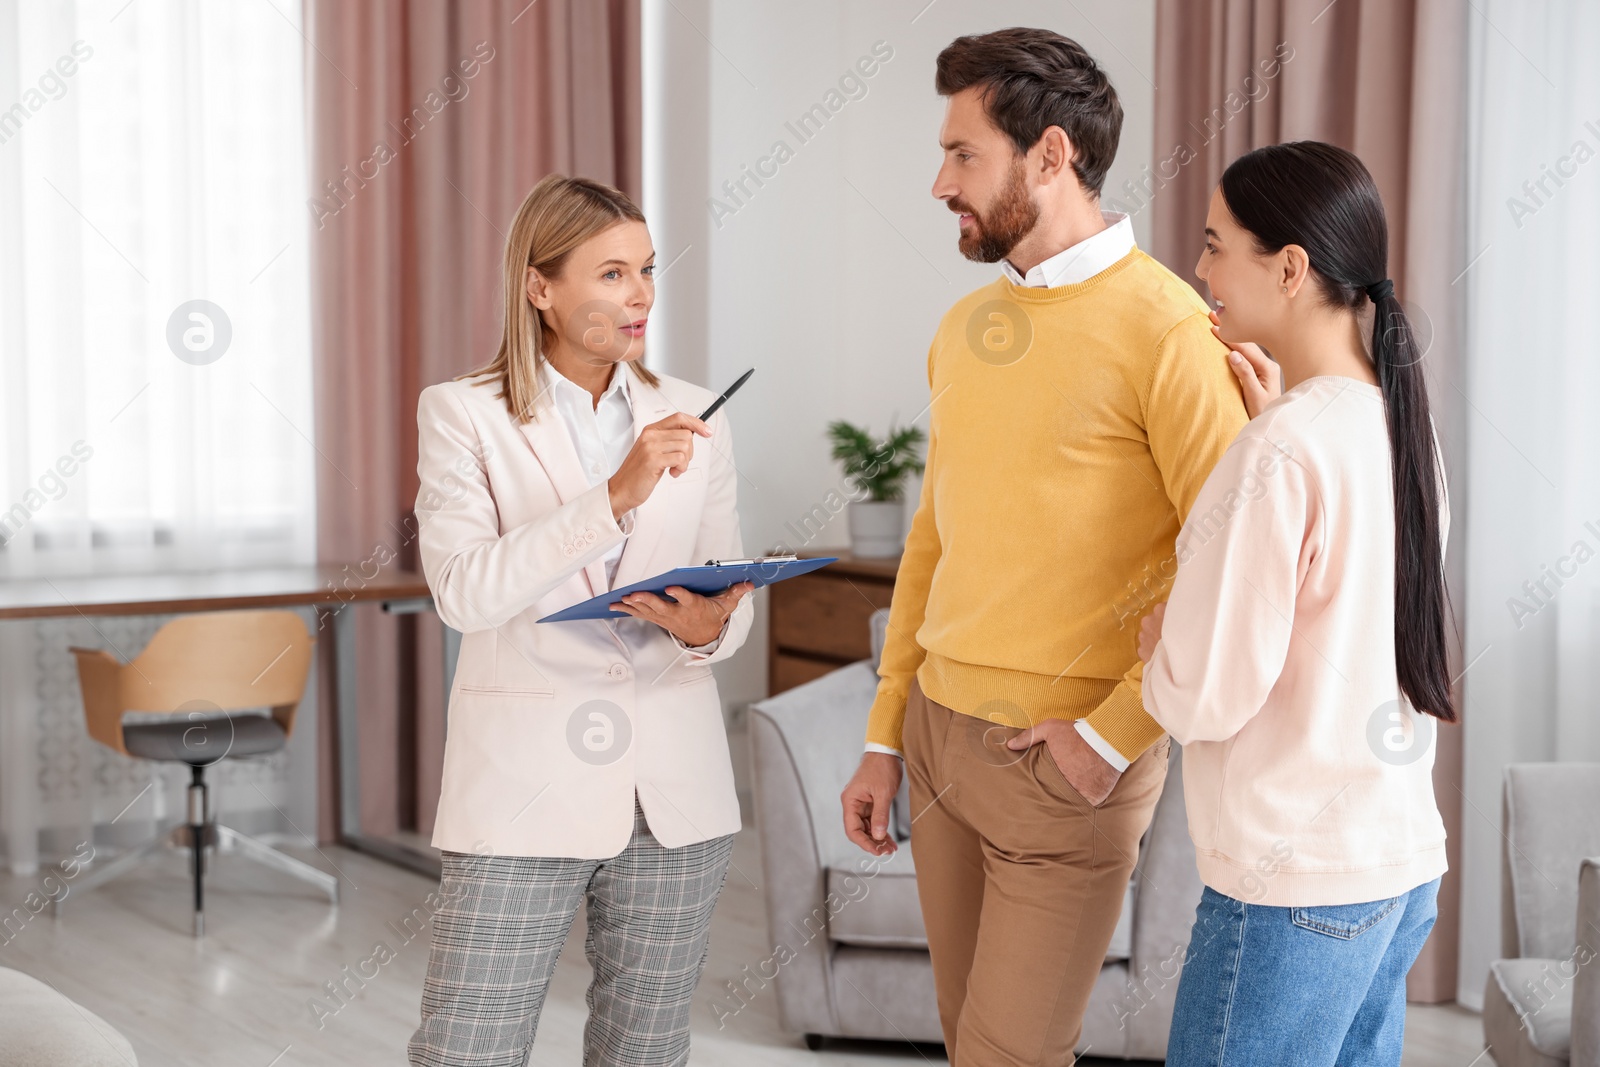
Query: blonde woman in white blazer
point(584, 761)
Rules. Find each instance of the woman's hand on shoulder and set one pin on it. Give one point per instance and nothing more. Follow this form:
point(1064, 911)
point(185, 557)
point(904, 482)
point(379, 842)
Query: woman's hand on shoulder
point(1260, 378)
point(1150, 631)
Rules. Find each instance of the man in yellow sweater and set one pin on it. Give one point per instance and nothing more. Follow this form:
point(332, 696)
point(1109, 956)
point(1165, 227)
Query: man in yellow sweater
point(1079, 402)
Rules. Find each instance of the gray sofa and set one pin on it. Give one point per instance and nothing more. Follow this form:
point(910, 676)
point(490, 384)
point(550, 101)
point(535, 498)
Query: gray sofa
point(1541, 1004)
point(850, 950)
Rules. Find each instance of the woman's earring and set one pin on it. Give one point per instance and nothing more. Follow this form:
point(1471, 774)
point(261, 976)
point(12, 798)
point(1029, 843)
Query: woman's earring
point(1283, 288)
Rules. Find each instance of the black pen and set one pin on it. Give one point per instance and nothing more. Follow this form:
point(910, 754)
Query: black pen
point(723, 399)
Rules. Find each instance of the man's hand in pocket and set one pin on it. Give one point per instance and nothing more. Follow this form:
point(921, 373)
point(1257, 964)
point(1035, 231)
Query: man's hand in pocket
point(1080, 765)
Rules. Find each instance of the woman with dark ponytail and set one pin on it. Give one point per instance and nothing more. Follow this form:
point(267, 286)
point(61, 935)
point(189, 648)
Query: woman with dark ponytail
point(1301, 658)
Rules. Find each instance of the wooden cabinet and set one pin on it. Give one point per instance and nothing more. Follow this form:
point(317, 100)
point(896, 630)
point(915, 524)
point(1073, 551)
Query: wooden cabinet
point(818, 621)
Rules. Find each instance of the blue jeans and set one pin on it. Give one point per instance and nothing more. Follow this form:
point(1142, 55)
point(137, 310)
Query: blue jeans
point(1309, 987)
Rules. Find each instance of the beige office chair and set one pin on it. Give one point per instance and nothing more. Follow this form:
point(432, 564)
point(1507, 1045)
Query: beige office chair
point(211, 673)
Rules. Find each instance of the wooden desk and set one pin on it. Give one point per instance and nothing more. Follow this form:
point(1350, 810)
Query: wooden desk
point(328, 586)
point(818, 621)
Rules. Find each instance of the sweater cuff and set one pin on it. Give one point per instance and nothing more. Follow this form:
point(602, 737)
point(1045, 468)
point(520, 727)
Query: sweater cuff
point(886, 720)
point(1122, 721)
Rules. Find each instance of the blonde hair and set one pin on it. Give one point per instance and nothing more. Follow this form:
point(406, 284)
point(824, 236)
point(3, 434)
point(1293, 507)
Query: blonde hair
point(559, 214)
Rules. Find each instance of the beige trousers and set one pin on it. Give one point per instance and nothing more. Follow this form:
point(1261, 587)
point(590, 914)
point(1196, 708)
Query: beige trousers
point(1021, 882)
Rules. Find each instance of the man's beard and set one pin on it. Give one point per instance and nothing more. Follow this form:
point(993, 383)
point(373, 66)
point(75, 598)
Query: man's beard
point(1009, 219)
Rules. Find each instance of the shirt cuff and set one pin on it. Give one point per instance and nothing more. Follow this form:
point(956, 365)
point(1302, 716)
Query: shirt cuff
point(873, 746)
point(709, 647)
point(1118, 761)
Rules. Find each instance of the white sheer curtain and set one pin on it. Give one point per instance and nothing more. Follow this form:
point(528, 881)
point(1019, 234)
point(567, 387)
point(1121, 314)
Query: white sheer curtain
point(152, 154)
point(1532, 690)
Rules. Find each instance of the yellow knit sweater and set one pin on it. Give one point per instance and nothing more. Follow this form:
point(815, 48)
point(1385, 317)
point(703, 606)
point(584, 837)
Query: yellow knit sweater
point(1070, 431)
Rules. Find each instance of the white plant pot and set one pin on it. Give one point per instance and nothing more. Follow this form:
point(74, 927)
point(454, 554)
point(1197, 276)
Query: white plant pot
point(877, 528)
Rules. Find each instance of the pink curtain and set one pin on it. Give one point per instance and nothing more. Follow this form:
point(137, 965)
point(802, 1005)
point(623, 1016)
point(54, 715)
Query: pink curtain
point(1385, 79)
point(430, 121)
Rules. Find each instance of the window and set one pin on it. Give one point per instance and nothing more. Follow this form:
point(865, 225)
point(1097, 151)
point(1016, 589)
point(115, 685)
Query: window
point(155, 353)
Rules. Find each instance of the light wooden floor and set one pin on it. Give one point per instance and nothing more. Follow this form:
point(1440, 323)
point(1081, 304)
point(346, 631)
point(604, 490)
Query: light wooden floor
point(242, 996)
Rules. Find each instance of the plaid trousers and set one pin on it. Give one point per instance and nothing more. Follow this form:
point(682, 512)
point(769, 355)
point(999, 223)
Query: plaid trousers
point(498, 936)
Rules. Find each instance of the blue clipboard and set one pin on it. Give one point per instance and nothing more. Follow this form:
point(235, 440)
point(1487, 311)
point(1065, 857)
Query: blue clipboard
point(712, 578)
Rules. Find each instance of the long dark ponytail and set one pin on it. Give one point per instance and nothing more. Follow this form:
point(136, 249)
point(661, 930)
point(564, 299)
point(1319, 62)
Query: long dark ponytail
point(1322, 198)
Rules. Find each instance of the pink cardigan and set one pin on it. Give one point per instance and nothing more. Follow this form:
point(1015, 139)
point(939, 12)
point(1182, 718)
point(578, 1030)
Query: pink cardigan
point(1308, 779)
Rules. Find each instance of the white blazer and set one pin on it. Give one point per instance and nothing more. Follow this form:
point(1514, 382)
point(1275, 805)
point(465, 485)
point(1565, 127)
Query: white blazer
point(552, 727)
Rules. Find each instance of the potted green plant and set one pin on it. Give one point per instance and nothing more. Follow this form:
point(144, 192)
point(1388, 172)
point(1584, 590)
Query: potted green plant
point(877, 469)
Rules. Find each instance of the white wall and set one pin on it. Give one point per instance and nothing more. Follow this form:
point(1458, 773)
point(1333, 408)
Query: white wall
point(830, 277)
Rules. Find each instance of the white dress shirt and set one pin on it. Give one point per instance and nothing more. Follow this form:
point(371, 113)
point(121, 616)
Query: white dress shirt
point(1076, 263)
point(1081, 261)
point(602, 434)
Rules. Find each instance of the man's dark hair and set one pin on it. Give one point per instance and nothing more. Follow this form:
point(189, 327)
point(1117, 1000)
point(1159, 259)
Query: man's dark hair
point(1033, 79)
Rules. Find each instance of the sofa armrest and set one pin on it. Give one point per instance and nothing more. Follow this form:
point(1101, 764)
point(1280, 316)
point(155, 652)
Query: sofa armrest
point(1166, 896)
point(1586, 984)
point(793, 884)
point(805, 743)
